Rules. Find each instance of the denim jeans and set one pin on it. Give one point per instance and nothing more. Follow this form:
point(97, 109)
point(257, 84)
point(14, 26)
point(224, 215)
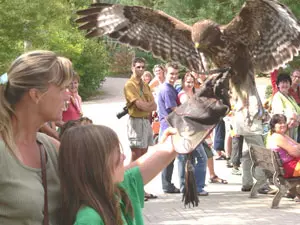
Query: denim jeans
point(219, 136)
point(199, 161)
point(166, 178)
point(166, 174)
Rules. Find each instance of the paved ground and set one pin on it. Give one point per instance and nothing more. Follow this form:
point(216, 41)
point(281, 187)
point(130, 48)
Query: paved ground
point(226, 204)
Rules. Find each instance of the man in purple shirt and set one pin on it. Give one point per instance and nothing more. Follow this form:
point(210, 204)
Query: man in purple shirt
point(167, 102)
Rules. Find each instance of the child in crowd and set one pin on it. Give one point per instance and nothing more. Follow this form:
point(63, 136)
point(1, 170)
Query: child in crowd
point(73, 123)
point(147, 77)
point(73, 106)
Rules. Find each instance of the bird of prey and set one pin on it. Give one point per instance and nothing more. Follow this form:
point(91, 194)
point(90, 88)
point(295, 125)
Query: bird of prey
point(262, 37)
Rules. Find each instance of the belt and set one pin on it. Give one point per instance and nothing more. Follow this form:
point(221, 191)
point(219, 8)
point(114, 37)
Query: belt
point(145, 117)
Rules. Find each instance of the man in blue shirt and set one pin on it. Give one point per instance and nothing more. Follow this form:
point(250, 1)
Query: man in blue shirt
point(167, 102)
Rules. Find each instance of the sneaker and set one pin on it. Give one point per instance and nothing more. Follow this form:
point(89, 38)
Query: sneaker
point(221, 157)
point(272, 191)
point(289, 195)
point(246, 188)
point(203, 193)
point(174, 191)
point(267, 190)
point(263, 191)
point(236, 171)
point(229, 164)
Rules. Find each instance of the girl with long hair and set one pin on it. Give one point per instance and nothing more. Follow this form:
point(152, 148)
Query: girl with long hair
point(96, 187)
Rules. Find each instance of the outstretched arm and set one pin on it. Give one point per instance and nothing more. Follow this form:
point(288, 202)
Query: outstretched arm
point(157, 157)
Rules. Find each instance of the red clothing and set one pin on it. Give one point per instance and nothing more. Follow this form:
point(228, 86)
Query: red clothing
point(273, 81)
point(291, 168)
point(73, 111)
point(295, 94)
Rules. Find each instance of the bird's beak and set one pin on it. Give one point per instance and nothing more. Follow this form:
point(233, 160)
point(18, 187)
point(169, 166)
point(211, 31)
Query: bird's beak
point(197, 45)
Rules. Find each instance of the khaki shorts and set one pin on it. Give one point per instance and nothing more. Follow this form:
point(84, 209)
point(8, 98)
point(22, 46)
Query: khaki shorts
point(139, 131)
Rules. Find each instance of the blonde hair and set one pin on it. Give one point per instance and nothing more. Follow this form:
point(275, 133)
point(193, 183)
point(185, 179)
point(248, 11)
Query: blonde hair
point(35, 69)
point(159, 66)
point(147, 73)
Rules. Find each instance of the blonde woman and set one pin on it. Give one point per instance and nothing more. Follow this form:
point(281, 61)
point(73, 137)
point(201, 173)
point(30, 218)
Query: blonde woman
point(147, 77)
point(31, 93)
point(159, 77)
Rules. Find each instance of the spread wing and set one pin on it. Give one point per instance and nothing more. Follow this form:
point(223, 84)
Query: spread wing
point(150, 30)
point(269, 30)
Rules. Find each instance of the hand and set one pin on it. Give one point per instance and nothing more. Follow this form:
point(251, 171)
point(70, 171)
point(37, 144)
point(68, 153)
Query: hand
point(168, 132)
point(292, 123)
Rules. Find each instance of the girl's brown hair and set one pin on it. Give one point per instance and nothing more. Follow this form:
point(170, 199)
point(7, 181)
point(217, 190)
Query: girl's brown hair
point(85, 169)
point(183, 79)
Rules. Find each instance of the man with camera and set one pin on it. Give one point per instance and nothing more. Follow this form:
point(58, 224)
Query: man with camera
point(140, 104)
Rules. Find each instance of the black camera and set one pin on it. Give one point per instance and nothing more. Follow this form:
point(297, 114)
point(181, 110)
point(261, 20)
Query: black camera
point(122, 113)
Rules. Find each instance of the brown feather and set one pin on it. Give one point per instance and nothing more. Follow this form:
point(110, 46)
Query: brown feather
point(150, 30)
point(190, 194)
point(84, 19)
point(88, 26)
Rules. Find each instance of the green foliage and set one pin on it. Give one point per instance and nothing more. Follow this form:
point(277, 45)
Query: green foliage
point(268, 91)
point(50, 25)
point(92, 65)
point(151, 61)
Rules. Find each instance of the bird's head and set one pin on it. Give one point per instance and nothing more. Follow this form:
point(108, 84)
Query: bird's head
point(204, 34)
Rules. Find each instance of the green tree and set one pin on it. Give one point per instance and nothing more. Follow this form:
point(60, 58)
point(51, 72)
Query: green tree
point(34, 24)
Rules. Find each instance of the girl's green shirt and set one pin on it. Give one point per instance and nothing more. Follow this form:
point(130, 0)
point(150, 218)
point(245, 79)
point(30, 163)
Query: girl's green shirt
point(134, 187)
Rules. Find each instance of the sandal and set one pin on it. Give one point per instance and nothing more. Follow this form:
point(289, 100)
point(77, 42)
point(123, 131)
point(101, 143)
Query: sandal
point(216, 179)
point(150, 196)
point(221, 157)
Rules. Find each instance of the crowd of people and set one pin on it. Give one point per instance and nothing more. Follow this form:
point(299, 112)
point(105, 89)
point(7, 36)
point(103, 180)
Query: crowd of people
point(76, 175)
point(232, 136)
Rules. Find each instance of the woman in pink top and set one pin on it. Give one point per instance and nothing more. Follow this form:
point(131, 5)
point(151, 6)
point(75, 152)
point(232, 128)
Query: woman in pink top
point(73, 106)
point(289, 150)
point(188, 89)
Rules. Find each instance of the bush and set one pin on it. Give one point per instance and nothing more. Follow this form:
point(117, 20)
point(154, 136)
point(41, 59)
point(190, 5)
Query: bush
point(92, 66)
point(268, 91)
point(120, 63)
